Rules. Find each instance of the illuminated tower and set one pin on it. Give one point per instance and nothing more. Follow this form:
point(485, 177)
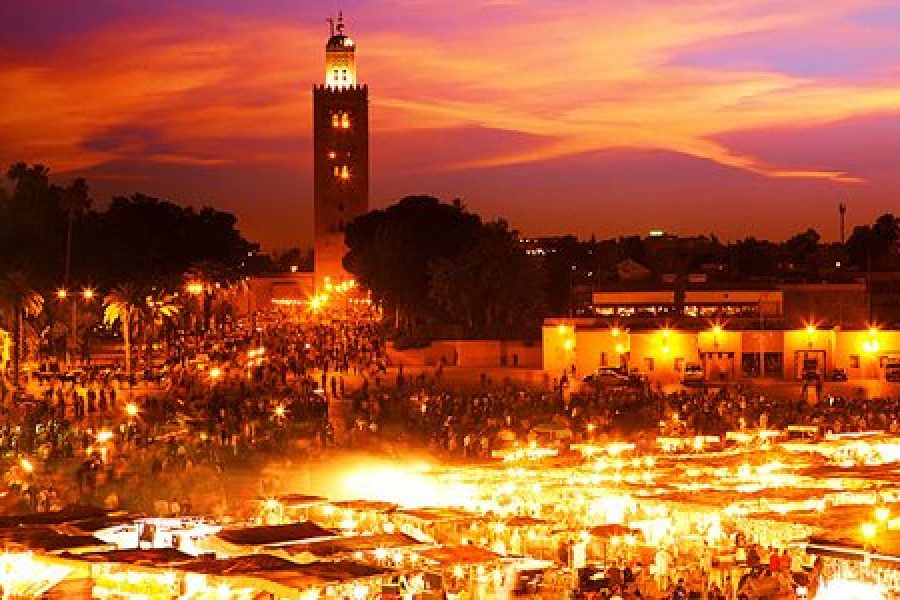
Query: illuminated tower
point(341, 154)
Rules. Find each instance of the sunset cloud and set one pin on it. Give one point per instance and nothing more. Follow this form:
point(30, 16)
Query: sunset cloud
point(226, 86)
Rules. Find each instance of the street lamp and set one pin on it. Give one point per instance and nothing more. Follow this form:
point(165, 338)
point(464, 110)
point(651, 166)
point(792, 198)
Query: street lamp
point(199, 288)
point(810, 332)
point(871, 345)
point(195, 287)
point(716, 334)
point(868, 532)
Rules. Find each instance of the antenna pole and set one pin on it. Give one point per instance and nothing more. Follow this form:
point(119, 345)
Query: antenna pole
point(842, 210)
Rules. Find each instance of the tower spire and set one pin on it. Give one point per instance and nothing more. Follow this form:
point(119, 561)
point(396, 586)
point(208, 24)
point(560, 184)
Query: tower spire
point(340, 23)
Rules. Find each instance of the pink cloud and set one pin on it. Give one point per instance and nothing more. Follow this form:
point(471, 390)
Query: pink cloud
point(470, 87)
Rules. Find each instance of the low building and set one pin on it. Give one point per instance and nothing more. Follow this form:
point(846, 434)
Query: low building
point(265, 292)
point(693, 303)
point(723, 353)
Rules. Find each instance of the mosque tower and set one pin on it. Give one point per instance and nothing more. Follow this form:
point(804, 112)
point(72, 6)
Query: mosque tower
point(341, 154)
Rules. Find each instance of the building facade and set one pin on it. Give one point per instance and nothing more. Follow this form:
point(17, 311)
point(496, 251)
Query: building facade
point(783, 331)
point(724, 354)
point(340, 155)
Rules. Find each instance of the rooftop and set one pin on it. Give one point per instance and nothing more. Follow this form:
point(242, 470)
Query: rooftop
point(275, 534)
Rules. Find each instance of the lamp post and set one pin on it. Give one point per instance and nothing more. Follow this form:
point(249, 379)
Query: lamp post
point(87, 294)
point(870, 347)
point(204, 292)
point(869, 530)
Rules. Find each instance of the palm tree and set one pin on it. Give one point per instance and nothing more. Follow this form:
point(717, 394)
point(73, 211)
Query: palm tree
point(160, 309)
point(74, 202)
point(17, 294)
point(211, 274)
point(124, 304)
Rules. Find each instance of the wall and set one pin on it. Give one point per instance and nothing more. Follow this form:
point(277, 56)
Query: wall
point(720, 352)
point(832, 304)
point(666, 351)
point(469, 354)
point(262, 290)
point(867, 350)
point(800, 344)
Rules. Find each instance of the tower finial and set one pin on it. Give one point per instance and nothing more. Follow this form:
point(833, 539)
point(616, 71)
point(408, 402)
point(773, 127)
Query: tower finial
point(340, 23)
point(330, 22)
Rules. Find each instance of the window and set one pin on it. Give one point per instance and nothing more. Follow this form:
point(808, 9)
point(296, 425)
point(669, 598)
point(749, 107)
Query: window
point(344, 74)
point(335, 76)
point(603, 362)
point(648, 364)
point(340, 120)
point(345, 172)
point(854, 361)
point(750, 364)
point(774, 364)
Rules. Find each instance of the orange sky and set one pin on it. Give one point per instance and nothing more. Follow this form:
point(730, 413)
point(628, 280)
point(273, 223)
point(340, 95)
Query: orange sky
point(735, 116)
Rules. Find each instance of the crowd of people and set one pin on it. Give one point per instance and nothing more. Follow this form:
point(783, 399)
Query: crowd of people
point(290, 388)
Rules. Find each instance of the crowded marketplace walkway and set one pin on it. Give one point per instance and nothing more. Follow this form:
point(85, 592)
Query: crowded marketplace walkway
point(605, 492)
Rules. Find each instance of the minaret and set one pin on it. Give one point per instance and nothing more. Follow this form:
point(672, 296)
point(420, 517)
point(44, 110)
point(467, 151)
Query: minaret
point(341, 154)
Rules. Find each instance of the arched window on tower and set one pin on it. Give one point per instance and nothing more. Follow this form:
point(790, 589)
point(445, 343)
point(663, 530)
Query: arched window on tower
point(340, 120)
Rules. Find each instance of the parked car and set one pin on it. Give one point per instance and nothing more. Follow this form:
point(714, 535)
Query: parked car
point(892, 371)
point(693, 374)
point(607, 376)
point(838, 374)
point(811, 377)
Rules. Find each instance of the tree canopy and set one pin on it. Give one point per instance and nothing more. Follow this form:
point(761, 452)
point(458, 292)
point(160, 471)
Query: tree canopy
point(137, 238)
point(439, 268)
